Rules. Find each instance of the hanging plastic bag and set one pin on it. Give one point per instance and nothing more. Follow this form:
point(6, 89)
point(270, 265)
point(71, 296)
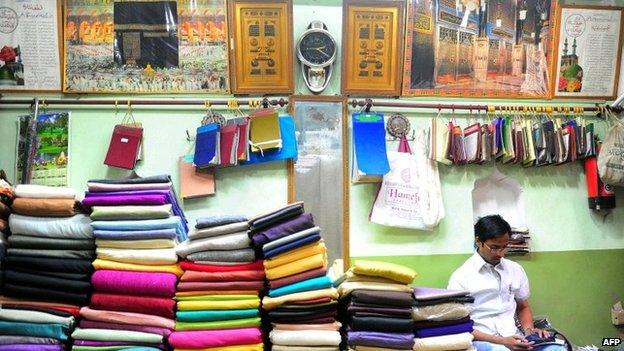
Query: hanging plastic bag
point(611, 156)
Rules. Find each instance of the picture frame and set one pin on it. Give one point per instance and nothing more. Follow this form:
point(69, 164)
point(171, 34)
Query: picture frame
point(261, 56)
point(471, 48)
point(320, 175)
point(146, 47)
point(29, 60)
point(588, 57)
point(372, 57)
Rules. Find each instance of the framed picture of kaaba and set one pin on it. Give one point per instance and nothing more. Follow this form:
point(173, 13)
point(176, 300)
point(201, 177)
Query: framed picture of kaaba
point(372, 47)
point(479, 48)
point(146, 46)
point(262, 51)
point(588, 55)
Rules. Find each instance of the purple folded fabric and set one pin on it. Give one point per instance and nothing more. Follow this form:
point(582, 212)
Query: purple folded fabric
point(465, 327)
point(96, 343)
point(87, 324)
point(291, 226)
point(135, 234)
point(135, 283)
point(428, 293)
point(376, 339)
point(118, 200)
point(31, 347)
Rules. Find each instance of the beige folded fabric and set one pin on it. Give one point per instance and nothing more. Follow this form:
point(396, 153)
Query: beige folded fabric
point(444, 343)
point(136, 244)
point(326, 326)
point(145, 256)
point(346, 288)
point(305, 338)
point(105, 213)
point(441, 312)
point(305, 348)
point(44, 191)
point(269, 303)
point(354, 277)
point(302, 265)
point(297, 254)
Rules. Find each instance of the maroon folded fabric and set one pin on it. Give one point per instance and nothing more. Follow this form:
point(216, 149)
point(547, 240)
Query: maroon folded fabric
point(193, 286)
point(313, 273)
point(132, 327)
point(127, 303)
point(190, 266)
point(198, 276)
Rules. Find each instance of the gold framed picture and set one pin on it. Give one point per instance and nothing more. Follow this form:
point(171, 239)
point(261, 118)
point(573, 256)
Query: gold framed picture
point(589, 49)
point(261, 57)
point(372, 46)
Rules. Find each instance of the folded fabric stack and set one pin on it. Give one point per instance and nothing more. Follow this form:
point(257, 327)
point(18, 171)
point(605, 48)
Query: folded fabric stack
point(218, 294)
point(302, 302)
point(442, 319)
point(519, 241)
point(377, 302)
point(6, 198)
point(137, 224)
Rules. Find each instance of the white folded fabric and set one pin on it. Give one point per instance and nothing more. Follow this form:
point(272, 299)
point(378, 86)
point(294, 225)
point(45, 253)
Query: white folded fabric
point(141, 256)
point(220, 230)
point(444, 343)
point(305, 337)
point(44, 192)
point(223, 242)
point(75, 227)
point(16, 315)
point(306, 348)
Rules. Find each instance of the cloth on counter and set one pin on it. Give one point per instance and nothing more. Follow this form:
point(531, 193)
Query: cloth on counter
point(222, 324)
point(136, 244)
point(346, 288)
point(445, 311)
point(122, 317)
point(215, 338)
point(103, 187)
point(137, 283)
point(465, 327)
point(250, 347)
point(305, 337)
point(219, 220)
point(223, 242)
point(302, 265)
point(135, 179)
point(75, 227)
point(60, 253)
point(220, 230)
point(56, 331)
point(389, 298)
point(290, 238)
point(50, 264)
point(174, 222)
point(291, 226)
point(255, 285)
point(44, 207)
point(44, 294)
point(268, 219)
point(327, 326)
point(257, 265)
point(292, 245)
point(218, 305)
point(428, 293)
point(118, 266)
point(143, 256)
point(297, 254)
point(117, 335)
point(429, 324)
point(125, 200)
point(17, 315)
point(238, 255)
point(305, 285)
point(291, 279)
point(158, 306)
point(44, 282)
point(216, 315)
point(393, 271)
point(382, 324)
point(461, 341)
point(270, 303)
point(130, 212)
point(198, 276)
point(88, 324)
point(135, 235)
point(376, 339)
point(43, 191)
point(21, 241)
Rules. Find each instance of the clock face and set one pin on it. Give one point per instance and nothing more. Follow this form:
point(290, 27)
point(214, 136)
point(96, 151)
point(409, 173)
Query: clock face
point(317, 47)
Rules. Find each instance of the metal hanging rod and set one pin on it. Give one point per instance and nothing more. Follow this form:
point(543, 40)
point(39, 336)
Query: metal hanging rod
point(152, 102)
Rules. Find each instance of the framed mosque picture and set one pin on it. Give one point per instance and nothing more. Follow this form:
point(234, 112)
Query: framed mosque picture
point(479, 48)
point(143, 46)
point(589, 48)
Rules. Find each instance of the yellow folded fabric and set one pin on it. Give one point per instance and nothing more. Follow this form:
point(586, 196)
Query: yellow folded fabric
point(346, 288)
point(136, 244)
point(168, 268)
point(354, 277)
point(297, 254)
point(302, 265)
point(392, 271)
point(218, 305)
point(269, 303)
point(215, 297)
point(254, 347)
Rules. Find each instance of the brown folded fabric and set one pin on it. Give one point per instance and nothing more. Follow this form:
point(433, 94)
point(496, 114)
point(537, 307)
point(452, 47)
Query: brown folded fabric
point(429, 324)
point(191, 286)
point(5, 210)
point(197, 276)
point(44, 207)
point(312, 301)
point(4, 225)
point(317, 272)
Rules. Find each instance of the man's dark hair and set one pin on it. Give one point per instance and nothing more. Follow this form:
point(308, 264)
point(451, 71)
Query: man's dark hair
point(490, 227)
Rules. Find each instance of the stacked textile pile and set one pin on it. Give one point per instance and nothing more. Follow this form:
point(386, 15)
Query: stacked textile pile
point(442, 320)
point(302, 302)
point(377, 303)
point(519, 241)
point(6, 198)
point(218, 294)
point(137, 224)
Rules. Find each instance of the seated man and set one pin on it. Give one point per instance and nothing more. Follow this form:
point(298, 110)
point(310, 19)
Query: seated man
point(500, 288)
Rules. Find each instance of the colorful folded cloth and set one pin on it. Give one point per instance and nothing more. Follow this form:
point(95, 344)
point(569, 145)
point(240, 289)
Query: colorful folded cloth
point(297, 254)
point(305, 285)
point(49, 253)
point(45, 294)
point(136, 234)
point(290, 238)
point(390, 340)
point(302, 265)
point(256, 285)
point(327, 326)
point(445, 311)
point(46, 282)
point(257, 265)
point(269, 303)
point(118, 266)
point(250, 347)
point(304, 348)
point(21, 339)
point(50, 264)
point(222, 324)
point(103, 187)
point(291, 279)
point(26, 316)
point(227, 295)
point(292, 245)
point(130, 212)
point(174, 222)
point(346, 288)
point(218, 220)
point(393, 271)
point(135, 179)
point(125, 200)
point(158, 306)
point(429, 293)
point(204, 293)
point(44, 191)
point(44, 207)
point(382, 324)
point(122, 317)
point(451, 342)
point(220, 230)
point(465, 327)
point(30, 347)
point(291, 226)
point(142, 256)
point(223, 242)
point(215, 315)
point(75, 227)
point(214, 338)
point(218, 305)
point(381, 297)
point(116, 335)
point(136, 244)
point(305, 337)
point(236, 256)
point(88, 324)
point(134, 283)
point(198, 276)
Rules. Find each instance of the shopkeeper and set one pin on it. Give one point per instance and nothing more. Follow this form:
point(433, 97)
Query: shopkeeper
point(500, 288)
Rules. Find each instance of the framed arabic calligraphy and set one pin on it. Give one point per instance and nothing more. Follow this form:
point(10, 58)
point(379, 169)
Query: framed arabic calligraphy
point(372, 41)
point(262, 50)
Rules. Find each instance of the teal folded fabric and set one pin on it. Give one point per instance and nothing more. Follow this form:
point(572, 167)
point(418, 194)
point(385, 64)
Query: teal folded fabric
point(215, 315)
point(116, 335)
point(306, 285)
point(56, 331)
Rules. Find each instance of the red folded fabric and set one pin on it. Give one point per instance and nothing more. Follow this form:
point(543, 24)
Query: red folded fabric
point(128, 303)
point(193, 286)
point(198, 276)
point(190, 266)
point(75, 311)
point(313, 273)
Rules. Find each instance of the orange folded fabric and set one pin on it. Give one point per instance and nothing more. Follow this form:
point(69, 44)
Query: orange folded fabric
point(199, 276)
point(44, 207)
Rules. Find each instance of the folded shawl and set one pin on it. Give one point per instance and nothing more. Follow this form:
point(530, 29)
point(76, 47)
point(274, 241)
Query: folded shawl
point(346, 288)
point(292, 245)
point(380, 297)
point(257, 265)
point(290, 238)
point(88, 324)
point(269, 303)
point(305, 285)
point(136, 244)
point(302, 265)
point(49, 253)
point(45, 282)
point(135, 179)
point(30, 347)
point(255, 285)
point(104, 187)
point(465, 327)
point(197, 276)
point(56, 331)
point(223, 324)
point(382, 324)
point(297, 254)
point(445, 311)
point(291, 279)
point(218, 305)
point(45, 294)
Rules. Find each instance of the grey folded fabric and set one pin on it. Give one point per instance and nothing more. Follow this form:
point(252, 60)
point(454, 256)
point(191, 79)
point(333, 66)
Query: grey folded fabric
point(220, 230)
point(88, 254)
point(218, 220)
point(22, 241)
point(20, 339)
point(135, 179)
point(240, 255)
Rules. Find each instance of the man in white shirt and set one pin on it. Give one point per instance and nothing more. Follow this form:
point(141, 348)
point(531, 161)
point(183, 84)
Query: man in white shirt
point(501, 290)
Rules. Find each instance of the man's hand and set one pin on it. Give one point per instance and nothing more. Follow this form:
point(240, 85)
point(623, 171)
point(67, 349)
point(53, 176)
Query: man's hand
point(516, 343)
point(541, 332)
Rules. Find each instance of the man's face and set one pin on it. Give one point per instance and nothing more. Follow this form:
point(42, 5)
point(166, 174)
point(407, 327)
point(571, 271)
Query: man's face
point(492, 250)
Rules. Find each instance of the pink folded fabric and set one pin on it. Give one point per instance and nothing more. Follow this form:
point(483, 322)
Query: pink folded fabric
point(88, 324)
point(214, 338)
point(126, 318)
point(248, 285)
point(134, 283)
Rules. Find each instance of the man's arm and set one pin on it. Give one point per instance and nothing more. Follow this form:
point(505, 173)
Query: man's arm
point(525, 315)
point(514, 343)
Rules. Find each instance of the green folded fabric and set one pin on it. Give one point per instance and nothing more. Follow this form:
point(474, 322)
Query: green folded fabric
point(215, 315)
point(107, 213)
point(216, 297)
point(116, 335)
point(114, 348)
point(229, 324)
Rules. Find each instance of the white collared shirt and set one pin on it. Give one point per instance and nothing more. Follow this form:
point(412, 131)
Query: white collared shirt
point(495, 290)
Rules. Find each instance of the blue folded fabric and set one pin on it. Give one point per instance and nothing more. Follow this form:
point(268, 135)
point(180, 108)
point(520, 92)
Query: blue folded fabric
point(292, 245)
point(217, 220)
point(306, 285)
point(290, 238)
point(206, 144)
point(288, 149)
point(149, 224)
point(135, 234)
point(50, 330)
point(215, 315)
point(465, 327)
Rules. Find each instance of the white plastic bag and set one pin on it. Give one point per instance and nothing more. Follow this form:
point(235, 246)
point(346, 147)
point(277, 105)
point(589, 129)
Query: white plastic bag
point(611, 156)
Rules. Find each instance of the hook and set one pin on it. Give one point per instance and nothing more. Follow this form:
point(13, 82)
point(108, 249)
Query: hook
point(188, 136)
point(439, 108)
point(265, 103)
point(116, 106)
point(369, 104)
